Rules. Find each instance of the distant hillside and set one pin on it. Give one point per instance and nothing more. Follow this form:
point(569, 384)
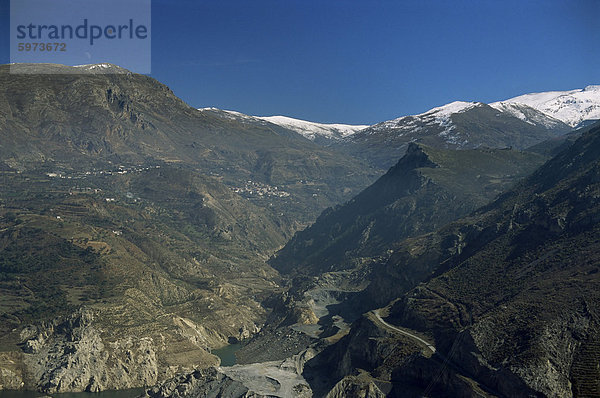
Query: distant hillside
point(458, 125)
point(318, 132)
point(77, 119)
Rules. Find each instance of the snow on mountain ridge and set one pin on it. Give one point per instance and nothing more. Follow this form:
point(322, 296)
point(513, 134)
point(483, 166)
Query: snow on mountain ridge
point(527, 114)
point(311, 130)
point(571, 107)
point(549, 109)
point(449, 109)
point(440, 116)
point(230, 114)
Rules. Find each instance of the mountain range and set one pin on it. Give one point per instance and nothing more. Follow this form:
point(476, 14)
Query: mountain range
point(458, 125)
point(518, 122)
point(552, 110)
point(451, 252)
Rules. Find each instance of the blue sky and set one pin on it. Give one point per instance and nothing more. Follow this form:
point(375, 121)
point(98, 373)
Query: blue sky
point(365, 61)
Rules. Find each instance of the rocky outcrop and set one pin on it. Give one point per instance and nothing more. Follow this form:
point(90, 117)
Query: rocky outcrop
point(71, 355)
point(199, 384)
point(353, 387)
point(267, 379)
point(11, 373)
point(274, 344)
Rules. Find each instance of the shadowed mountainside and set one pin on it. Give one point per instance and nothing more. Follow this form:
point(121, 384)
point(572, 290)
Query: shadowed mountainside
point(425, 190)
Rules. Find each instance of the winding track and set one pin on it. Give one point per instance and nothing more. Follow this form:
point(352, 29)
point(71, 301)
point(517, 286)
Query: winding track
point(446, 361)
point(412, 336)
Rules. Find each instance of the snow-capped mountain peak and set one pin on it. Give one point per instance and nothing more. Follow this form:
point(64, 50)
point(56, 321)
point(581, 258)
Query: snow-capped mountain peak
point(439, 118)
point(442, 114)
point(571, 107)
point(449, 109)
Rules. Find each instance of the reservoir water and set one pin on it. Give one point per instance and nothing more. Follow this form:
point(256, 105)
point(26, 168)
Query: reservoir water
point(227, 354)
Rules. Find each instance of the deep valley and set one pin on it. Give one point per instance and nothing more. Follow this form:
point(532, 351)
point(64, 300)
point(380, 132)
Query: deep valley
point(451, 253)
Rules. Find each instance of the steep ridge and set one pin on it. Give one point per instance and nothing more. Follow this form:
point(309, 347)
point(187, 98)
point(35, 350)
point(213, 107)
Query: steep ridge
point(510, 293)
point(425, 190)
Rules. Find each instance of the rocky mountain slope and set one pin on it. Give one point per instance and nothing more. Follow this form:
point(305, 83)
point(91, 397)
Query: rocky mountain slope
point(134, 229)
point(79, 116)
point(425, 190)
point(99, 267)
point(508, 299)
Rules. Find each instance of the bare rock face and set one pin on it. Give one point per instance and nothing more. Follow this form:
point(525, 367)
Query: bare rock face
point(352, 387)
point(267, 379)
point(11, 374)
point(10, 380)
point(201, 383)
point(72, 356)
